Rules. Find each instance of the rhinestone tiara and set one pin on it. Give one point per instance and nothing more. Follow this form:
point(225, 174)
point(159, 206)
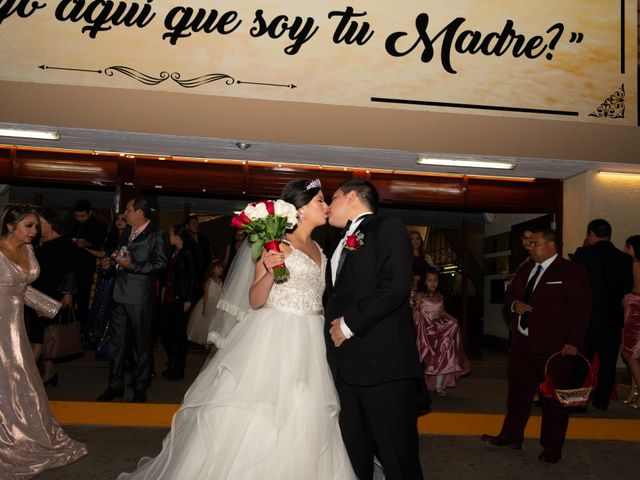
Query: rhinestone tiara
point(315, 183)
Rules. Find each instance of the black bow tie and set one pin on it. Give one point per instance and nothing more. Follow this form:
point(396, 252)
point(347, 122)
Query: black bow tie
point(344, 231)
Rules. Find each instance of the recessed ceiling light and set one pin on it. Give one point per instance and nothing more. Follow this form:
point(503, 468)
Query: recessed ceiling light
point(243, 145)
point(466, 162)
point(25, 133)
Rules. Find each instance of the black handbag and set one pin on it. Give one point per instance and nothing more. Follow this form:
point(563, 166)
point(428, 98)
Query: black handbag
point(62, 338)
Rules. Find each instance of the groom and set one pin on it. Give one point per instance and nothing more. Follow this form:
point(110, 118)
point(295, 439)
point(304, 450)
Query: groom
point(371, 345)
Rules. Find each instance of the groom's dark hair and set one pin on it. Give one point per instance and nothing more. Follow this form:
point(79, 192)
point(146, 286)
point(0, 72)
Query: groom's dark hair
point(365, 191)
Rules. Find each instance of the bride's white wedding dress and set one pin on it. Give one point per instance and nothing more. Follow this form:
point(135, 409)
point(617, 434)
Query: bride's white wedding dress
point(264, 406)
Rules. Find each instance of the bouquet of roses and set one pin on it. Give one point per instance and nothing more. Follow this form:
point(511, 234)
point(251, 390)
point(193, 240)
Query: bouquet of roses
point(266, 223)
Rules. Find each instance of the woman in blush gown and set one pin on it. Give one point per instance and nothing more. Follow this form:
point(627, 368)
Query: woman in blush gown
point(438, 338)
point(31, 441)
point(264, 406)
point(631, 330)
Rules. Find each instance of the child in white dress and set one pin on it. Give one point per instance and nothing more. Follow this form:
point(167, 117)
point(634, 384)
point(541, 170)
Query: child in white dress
point(202, 314)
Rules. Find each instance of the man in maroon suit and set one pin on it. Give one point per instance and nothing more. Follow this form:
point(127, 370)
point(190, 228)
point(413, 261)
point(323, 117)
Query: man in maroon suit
point(550, 299)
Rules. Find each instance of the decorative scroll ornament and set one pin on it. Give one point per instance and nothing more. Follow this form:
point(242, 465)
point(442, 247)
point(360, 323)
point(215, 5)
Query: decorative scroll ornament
point(612, 107)
point(164, 75)
point(175, 76)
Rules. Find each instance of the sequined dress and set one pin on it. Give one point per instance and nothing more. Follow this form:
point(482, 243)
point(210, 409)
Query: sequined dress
point(264, 406)
point(31, 441)
point(631, 330)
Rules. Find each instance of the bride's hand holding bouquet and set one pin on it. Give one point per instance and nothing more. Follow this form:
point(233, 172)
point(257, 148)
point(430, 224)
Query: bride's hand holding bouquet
point(266, 222)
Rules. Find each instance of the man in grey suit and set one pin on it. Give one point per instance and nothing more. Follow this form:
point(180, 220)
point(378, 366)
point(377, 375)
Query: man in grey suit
point(142, 255)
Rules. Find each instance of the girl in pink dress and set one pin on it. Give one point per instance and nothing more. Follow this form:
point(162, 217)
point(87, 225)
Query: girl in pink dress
point(439, 341)
point(631, 331)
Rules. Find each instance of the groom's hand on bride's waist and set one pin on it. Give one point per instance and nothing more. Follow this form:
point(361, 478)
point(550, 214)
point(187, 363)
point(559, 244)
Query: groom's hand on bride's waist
point(337, 336)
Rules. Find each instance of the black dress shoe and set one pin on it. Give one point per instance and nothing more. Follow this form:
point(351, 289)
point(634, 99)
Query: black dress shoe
point(600, 405)
point(500, 441)
point(549, 457)
point(174, 375)
point(109, 394)
point(139, 397)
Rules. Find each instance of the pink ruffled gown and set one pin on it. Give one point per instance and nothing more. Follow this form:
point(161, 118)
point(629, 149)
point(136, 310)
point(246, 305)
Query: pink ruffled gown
point(631, 331)
point(439, 342)
point(31, 441)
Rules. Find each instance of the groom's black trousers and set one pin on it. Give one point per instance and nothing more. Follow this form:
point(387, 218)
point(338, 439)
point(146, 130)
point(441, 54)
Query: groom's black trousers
point(381, 420)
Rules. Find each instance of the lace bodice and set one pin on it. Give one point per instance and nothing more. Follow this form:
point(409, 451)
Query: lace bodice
point(303, 291)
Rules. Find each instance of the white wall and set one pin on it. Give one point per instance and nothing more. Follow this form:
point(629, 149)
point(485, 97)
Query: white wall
point(616, 198)
point(494, 323)
point(503, 222)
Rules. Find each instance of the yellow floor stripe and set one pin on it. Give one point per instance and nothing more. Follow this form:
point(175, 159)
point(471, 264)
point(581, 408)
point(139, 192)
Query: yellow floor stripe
point(468, 424)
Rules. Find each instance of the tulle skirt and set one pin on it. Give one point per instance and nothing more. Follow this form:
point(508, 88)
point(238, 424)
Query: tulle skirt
point(264, 406)
point(198, 325)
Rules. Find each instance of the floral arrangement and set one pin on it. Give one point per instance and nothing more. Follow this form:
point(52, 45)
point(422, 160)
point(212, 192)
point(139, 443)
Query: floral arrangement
point(266, 223)
point(354, 241)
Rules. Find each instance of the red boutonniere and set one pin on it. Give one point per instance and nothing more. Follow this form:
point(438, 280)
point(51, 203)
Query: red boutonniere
point(354, 241)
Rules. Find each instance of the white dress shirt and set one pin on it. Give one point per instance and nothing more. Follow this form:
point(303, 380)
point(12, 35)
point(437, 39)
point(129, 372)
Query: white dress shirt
point(544, 265)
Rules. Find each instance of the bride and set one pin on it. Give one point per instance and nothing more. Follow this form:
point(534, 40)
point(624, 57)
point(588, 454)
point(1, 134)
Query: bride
point(265, 405)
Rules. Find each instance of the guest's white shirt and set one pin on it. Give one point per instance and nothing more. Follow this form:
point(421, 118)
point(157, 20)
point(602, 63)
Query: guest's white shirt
point(544, 265)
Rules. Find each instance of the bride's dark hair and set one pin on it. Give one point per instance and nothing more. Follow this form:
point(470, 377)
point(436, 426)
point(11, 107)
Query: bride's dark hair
point(298, 193)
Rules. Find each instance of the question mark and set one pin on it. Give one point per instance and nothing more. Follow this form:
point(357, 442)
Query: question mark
point(554, 40)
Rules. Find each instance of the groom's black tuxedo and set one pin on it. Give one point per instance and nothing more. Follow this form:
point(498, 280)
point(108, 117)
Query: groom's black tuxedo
point(375, 370)
point(372, 294)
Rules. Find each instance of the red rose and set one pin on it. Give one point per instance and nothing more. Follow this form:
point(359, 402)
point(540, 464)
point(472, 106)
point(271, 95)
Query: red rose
point(240, 220)
point(270, 207)
point(351, 242)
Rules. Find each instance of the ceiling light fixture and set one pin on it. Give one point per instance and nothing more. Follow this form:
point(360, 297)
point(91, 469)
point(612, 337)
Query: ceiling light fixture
point(243, 145)
point(24, 133)
point(619, 174)
point(466, 162)
point(500, 177)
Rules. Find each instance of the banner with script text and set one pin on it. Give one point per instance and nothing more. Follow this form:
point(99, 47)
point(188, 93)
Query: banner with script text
point(572, 60)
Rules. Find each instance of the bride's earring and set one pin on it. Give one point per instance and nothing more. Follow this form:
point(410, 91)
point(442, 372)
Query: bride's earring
point(301, 215)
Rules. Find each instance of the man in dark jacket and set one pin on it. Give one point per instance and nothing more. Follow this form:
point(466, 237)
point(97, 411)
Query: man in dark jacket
point(88, 234)
point(611, 278)
point(549, 299)
point(141, 257)
point(371, 343)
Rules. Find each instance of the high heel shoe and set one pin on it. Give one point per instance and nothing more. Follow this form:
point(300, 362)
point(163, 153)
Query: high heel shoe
point(53, 381)
point(633, 398)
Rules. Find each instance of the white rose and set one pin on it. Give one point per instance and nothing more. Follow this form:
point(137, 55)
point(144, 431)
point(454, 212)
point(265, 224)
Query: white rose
point(280, 207)
point(285, 209)
point(250, 212)
point(261, 211)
